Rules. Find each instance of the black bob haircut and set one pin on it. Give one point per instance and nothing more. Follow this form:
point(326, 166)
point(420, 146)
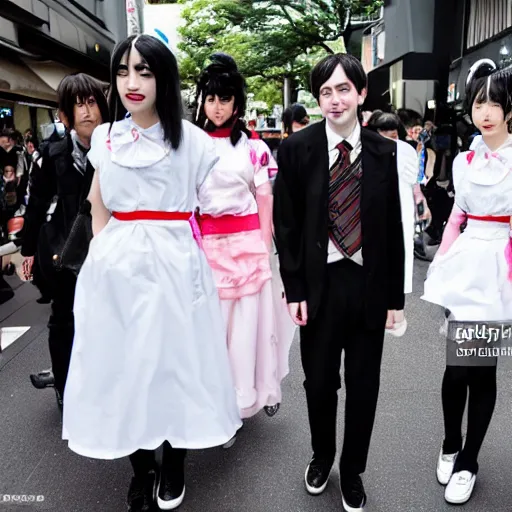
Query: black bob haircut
point(324, 69)
point(488, 84)
point(78, 88)
point(221, 78)
point(384, 121)
point(163, 65)
point(295, 113)
point(409, 118)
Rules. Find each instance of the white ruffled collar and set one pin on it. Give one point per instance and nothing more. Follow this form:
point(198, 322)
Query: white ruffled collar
point(489, 167)
point(136, 147)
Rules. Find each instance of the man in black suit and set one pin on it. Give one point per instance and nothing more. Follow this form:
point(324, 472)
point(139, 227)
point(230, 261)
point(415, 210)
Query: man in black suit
point(340, 241)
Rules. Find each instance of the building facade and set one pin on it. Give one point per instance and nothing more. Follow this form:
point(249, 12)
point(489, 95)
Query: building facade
point(41, 41)
point(418, 54)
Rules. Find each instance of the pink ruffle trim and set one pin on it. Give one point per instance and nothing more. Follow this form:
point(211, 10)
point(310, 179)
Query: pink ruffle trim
point(508, 257)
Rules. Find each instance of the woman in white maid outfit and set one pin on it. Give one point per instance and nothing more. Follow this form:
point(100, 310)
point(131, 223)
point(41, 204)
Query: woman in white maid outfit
point(471, 275)
point(149, 363)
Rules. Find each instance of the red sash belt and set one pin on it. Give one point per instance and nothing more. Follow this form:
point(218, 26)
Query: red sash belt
point(224, 225)
point(151, 215)
point(228, 224)
point(490, 218)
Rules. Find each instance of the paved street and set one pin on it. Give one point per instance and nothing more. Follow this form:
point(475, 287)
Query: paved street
point(264, 471)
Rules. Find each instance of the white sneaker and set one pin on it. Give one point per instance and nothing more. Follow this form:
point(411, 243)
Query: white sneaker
point(445, 464)
point(460, 487)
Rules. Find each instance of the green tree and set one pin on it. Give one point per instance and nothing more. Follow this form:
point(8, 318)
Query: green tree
point(272, 40)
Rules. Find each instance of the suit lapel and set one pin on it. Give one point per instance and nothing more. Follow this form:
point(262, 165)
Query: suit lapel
point(318, 160)
point(374, 162)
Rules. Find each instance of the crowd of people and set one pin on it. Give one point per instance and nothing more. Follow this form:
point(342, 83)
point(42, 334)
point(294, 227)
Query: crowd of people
point(177, 326)
point(18, 153)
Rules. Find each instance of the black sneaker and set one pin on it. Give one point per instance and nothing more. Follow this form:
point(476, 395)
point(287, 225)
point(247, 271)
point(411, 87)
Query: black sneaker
point(317, 476)
point(171, 489)
point(60, 401)
point(352, 494)
point(141, 494)
point(44, 379)
point(271, 410)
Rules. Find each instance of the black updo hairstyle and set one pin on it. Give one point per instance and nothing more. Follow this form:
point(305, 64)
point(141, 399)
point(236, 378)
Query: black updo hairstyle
point(486, 82)
point(222, 78)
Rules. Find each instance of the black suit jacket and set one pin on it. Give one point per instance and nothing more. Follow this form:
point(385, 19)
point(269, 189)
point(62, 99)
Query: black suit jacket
point(301, 194)
point(56, 177)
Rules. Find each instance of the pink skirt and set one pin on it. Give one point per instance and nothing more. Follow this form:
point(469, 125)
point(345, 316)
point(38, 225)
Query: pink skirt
point(240, 262)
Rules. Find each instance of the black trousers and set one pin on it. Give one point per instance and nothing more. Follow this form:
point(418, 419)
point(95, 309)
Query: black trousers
point(480, 381)
point(144, 461)
point(61, 326)
point(340, 326)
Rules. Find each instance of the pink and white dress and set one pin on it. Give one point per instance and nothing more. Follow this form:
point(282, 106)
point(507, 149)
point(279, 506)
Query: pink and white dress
point(236, 223)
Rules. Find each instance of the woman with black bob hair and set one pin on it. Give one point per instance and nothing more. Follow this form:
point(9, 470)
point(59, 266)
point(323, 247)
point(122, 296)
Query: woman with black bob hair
point(149, 363)
point(237, 236)
point(471, 275)
point(385, 123)
point(295, 118)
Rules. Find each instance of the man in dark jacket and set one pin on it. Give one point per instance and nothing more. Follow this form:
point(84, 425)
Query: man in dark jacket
point(340, 241)
point(65, 176)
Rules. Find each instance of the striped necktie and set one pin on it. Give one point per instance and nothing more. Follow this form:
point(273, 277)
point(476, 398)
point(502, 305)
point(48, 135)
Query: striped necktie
point(345, 202)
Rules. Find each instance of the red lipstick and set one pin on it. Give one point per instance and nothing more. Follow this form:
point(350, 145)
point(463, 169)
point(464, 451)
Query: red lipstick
point(135, 97)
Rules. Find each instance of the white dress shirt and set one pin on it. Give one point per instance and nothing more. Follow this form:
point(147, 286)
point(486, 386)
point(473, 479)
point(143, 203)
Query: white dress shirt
point(333, 139)
point(408, 168)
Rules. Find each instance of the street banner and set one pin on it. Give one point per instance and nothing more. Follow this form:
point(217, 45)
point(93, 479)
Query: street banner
point(135, 16)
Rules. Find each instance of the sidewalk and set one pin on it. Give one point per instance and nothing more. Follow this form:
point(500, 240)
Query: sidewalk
point(21, 319)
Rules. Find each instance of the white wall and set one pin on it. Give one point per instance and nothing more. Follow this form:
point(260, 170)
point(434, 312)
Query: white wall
point(166, 18)
point(417, 93)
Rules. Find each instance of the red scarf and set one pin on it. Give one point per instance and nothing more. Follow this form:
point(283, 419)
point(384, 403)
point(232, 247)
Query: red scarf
point(220, 133)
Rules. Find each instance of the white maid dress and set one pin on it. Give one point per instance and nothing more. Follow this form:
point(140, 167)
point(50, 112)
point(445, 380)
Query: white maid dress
point(149, 360)
point(471, 278)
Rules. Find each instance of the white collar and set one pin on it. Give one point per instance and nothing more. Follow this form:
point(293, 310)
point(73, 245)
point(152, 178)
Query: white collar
point(489, 167)
point(333, 139)
point(135, 147)
point(479, 143)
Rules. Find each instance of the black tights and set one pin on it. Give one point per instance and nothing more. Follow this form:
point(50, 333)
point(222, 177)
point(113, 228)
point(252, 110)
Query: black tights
point(143, 461)
point(481, 382)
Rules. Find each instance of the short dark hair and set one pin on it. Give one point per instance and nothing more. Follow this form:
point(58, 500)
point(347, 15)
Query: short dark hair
point(7, 132)
point(325, 68)
point(498, 90)
point(163, 65)
point(295, 113)
point(31, 139)
point(79, 86)
point(410, 118)
point(383, 121)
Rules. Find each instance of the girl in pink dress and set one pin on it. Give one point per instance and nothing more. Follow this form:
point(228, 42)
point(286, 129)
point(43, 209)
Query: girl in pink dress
point(236, 223)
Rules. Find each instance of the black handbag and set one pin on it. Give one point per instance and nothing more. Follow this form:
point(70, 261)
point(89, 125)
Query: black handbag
point(75, 248)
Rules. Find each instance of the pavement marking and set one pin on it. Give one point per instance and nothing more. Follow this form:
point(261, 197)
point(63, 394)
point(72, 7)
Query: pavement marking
point(8, 335)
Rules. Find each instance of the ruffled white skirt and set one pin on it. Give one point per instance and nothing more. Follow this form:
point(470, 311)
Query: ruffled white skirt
point(471, 278)
point(149, 360)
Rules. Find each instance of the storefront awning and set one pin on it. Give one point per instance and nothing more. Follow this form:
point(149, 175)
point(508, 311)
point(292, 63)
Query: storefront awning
point(51, 73)
point(17, 78)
